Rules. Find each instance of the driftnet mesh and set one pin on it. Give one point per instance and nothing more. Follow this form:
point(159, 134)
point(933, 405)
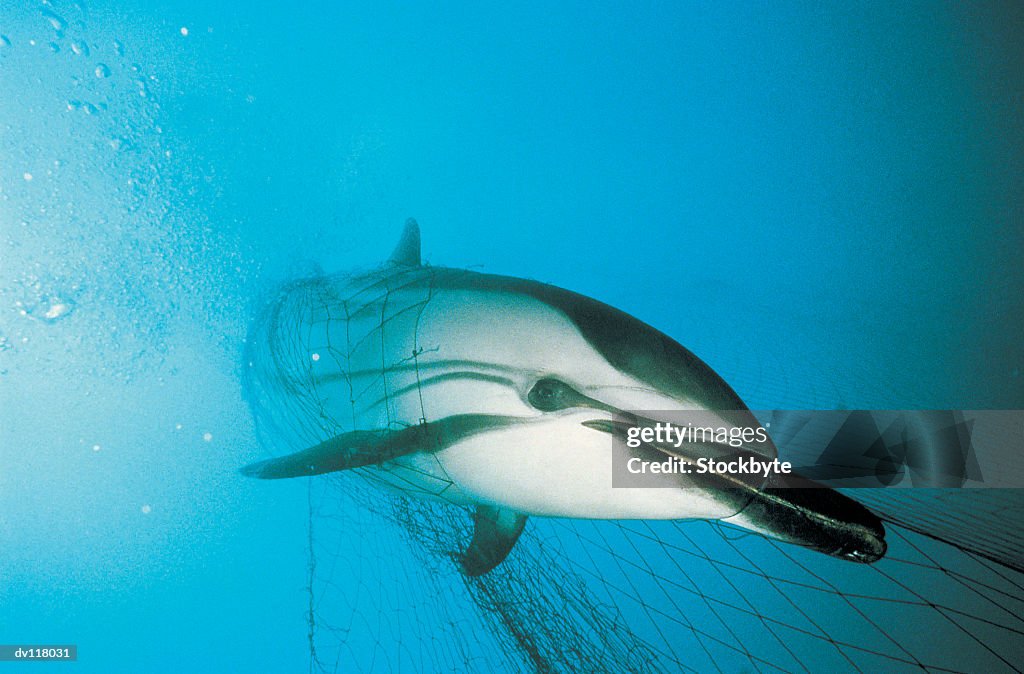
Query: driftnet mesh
point(386, 593)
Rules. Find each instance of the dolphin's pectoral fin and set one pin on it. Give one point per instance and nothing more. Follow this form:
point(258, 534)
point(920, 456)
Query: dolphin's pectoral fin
point(496, 532)
point(342, 452)
point(368, 448)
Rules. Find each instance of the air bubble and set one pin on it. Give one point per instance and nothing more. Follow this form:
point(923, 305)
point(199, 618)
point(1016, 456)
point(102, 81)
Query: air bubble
point(120, 143)
point(58, 310)
point(56, 21)
point(102, 71)
point(47, 308)
point(80, 47)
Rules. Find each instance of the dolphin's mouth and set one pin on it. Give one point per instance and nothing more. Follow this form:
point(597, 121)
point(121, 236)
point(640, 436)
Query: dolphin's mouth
point(788, 507)
point(798, 510)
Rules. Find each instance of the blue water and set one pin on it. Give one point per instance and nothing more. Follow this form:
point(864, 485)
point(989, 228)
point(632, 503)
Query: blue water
point(824, 203)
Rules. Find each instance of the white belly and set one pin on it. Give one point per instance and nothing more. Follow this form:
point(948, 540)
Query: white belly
point(549, 467)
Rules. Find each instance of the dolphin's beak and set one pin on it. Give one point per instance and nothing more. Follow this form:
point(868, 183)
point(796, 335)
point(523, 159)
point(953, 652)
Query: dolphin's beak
point(797, 510)
point(785, 507)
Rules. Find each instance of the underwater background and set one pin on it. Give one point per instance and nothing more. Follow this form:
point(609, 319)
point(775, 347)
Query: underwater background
point(824, 203)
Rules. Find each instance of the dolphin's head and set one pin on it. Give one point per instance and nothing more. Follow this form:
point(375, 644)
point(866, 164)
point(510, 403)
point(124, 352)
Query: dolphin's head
point(568, 365)
point(578, 367)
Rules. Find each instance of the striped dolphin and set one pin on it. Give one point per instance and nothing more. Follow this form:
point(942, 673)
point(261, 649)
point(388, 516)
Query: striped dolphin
point(506, 395)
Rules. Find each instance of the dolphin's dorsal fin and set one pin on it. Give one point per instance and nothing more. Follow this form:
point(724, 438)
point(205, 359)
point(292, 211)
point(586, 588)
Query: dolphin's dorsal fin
point(407, 252)
point(496, 531)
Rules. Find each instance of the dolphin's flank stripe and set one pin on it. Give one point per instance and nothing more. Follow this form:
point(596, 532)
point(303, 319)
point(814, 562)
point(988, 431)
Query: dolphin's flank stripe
point(441, 378)
point(411, 367)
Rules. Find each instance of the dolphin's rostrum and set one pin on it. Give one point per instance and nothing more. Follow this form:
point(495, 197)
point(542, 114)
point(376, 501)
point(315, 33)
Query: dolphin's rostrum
point(505, 394)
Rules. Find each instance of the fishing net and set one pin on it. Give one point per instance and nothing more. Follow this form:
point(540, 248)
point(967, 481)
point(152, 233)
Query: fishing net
point(386, 592)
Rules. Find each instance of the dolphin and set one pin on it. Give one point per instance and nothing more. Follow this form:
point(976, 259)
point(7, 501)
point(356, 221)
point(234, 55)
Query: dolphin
point(508, 396)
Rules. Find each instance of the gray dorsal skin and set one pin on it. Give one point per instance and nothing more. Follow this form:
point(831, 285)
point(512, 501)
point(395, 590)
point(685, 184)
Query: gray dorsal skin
point(495, 532)
point(407, 252)
point(366, 448)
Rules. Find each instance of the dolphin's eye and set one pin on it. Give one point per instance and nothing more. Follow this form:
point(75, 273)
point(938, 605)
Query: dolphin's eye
point(549, 395)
